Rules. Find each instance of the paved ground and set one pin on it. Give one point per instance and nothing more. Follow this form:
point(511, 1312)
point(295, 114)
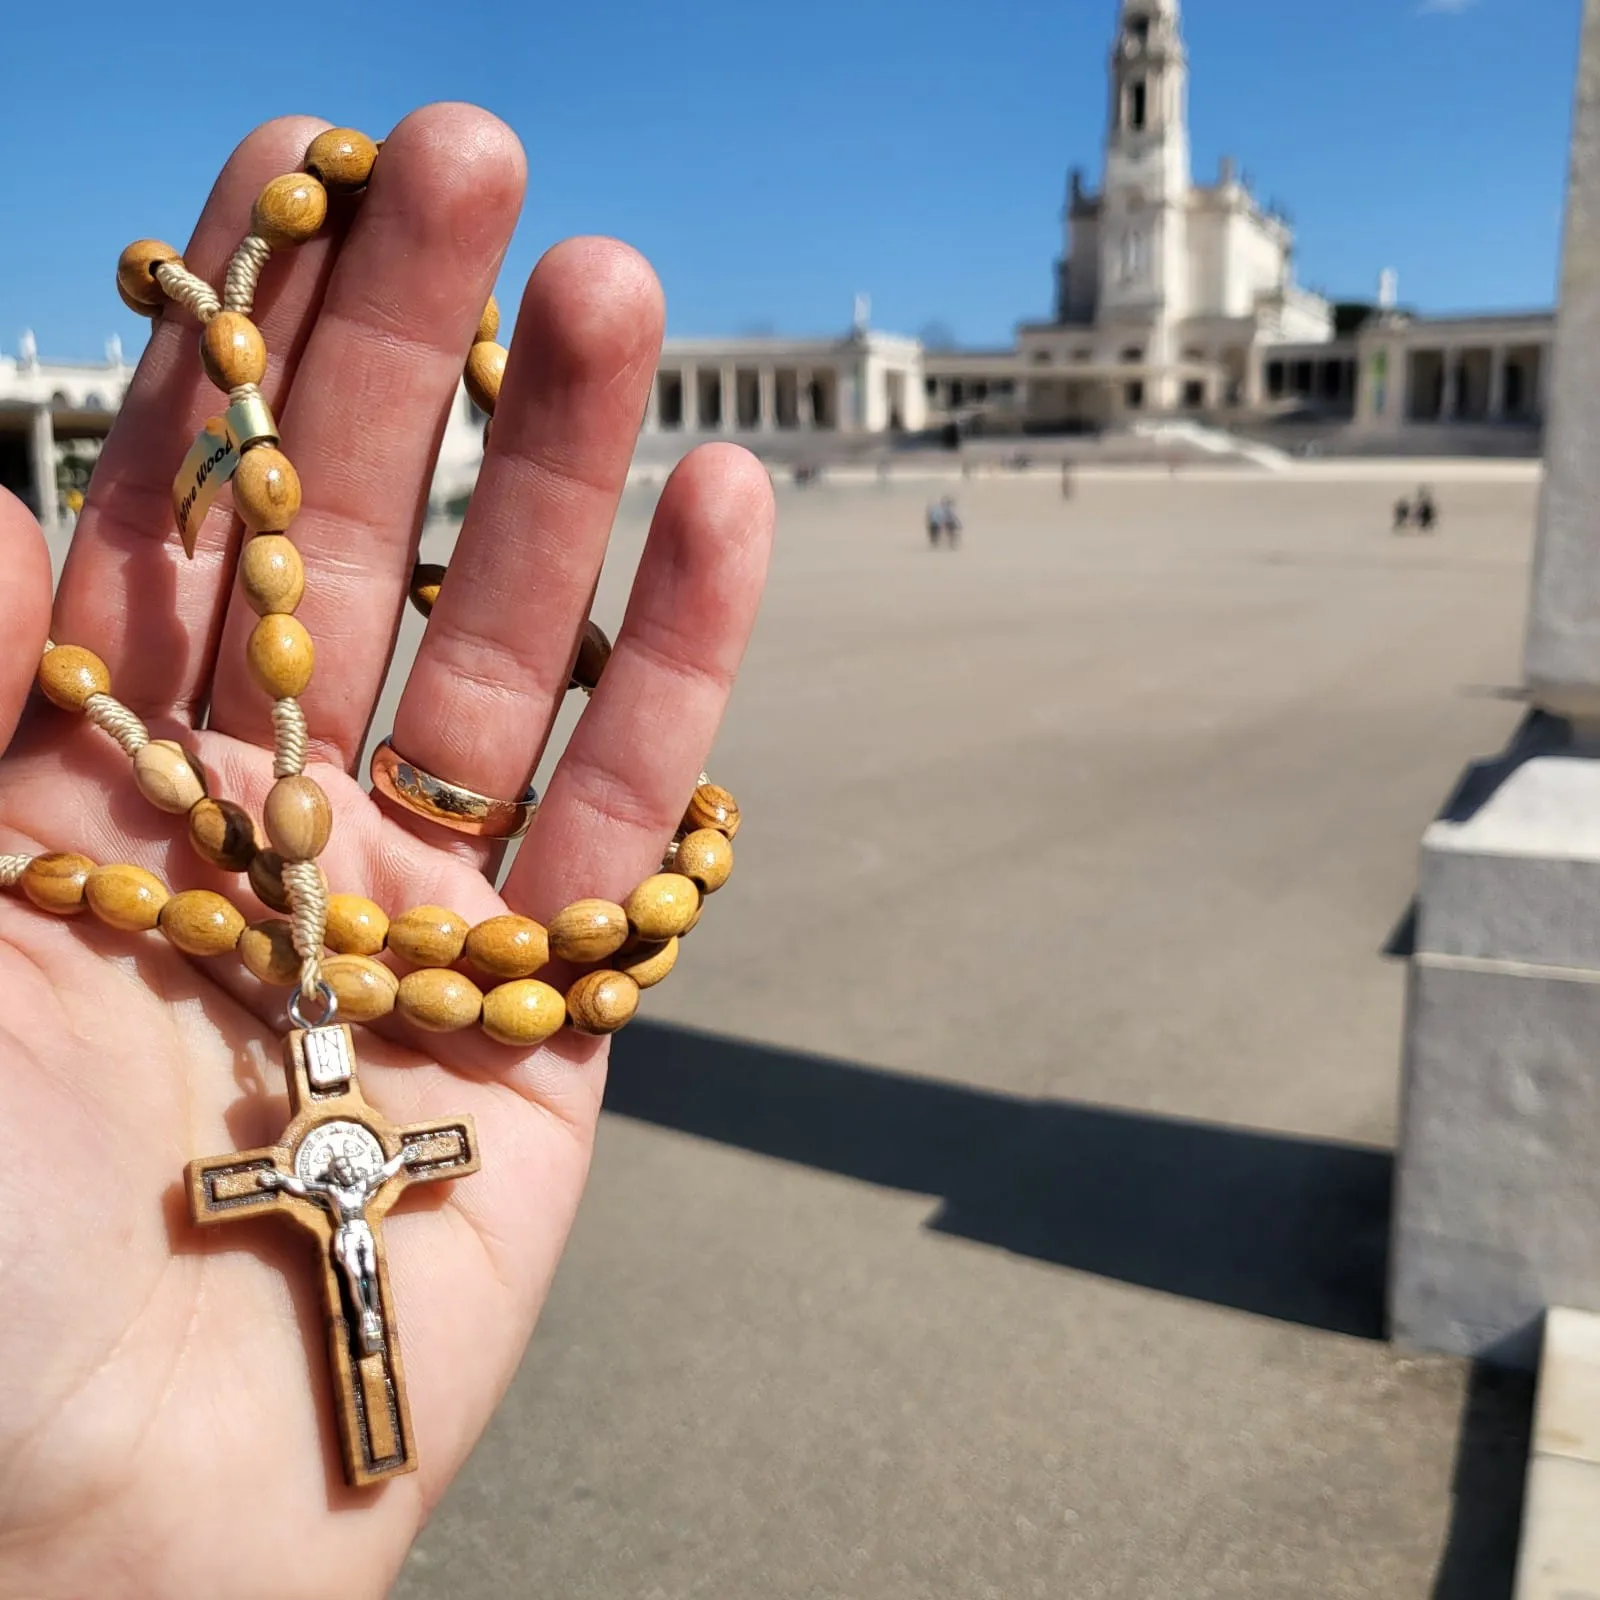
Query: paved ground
point(995, 1204)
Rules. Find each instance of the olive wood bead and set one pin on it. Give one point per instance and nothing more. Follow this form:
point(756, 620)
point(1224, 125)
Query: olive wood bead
point(169, 777)
point(201, 923)
point(488, 323)
point(267, 950)
point(647, 964)
point(266, 879)
point(266, 490)
point(426, 577)
point(281, 656)
point(707, 857)
point(126, 897)
point(341, 159)
point(271, 574)
point(290, 209)
point(486, 366)
point(364, 988)
point(356, 926)
point(56, 882)
point(594, 650)
point(298, 818)
point(439, 1000)
point(428, 936)
point(525, 1012)
point(508, 946)
point(223, 834)
point(232, 350)
point(662, 906)
point(601, 1002)
point(712, 807)
point(136, 281)
point(588, 930)
point(69, 674)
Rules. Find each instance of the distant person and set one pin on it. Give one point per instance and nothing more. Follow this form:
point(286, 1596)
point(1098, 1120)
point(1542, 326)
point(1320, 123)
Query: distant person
point(1066, 480)
point(951, 521)
point(935, 520)
point(1427, 512)
point(1402, 514)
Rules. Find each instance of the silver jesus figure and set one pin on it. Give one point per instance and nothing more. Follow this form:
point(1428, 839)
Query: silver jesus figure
point(345, 1190)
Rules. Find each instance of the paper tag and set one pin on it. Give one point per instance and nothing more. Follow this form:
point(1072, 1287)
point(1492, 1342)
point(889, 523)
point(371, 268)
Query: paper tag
point(209, 464)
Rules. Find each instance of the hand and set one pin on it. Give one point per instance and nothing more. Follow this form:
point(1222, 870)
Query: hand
point(147, 1370)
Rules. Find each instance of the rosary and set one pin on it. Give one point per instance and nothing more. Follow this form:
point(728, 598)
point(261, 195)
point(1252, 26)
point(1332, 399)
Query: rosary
point(340, 1165)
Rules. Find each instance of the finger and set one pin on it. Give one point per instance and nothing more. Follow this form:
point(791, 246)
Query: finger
point(371, 397)
point(495, 659)
point(127, 589)
point(25, 605)
point(621, 787)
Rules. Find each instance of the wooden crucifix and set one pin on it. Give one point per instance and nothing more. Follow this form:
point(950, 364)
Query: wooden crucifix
point(337, 1171)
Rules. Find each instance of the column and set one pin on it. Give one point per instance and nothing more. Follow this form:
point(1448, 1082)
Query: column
point(730, 400)
point(767, 392)
point(1450, 384)
point(802, 399)
point(42, 464)
point(691, 399)
point(1254, 376)
point(652, 407)
point(1497, 383)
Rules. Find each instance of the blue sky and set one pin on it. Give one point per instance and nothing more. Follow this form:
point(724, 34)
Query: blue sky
point(774, 159)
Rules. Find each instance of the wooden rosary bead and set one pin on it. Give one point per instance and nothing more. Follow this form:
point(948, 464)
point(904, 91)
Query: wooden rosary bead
point(648, 964)
point(223, 834)
point(508, 946)
point(281, 656)
point(594, 650)
point(662, 906)
point(364, 988)
point(356, 926)
point(126, 897)
point(272, 574)
point(525, 1012)
point(341, 159)
point(298, 818)
point(588, 930)
point(136, 275)
point(232, 350)
point(428, 936)
point(266, 490)
point(486, 366)
point(266, 879)
point(69, 674)
point(488, 323)
point(201, 923)
point(439, 1000)
point(290, 209)
point(712, 807)
point(602, 1002)
point(707, 857)
point(267, 949)
point(426, 577)
point(56, 882)
point(169, 777)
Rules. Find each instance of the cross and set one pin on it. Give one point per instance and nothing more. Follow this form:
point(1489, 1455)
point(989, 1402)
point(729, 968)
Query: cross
point(337, 1170)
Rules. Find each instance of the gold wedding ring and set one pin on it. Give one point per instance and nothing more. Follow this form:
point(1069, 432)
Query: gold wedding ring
point(449, 804)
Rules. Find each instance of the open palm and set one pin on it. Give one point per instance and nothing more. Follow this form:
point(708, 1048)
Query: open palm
point(165, 1425)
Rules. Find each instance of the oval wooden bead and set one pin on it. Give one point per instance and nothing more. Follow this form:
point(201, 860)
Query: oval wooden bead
point(126, 897)
point(266, 879)
point(266, 490)
point(341, 159)
point(298, 818)
point(602, 1002)
point(588, 930)
point(711, 806)
point(594, 650)
point(271, 574)
point(356, 926)
point(56, 882)
point(439, 1000)
point(281, 656)
point(525, 1012)
point(508, 946)
point(290, 209)
point(486, 366)
point(201, 923)
point(232, 350)
point(135, 280)
point(648, 964)
point(426, 577)
point(428, 936)
point(223, 834)
point(662, 906)
point(69, 674)
point(488, 323)
point(364, 988)
point(169, 777)
point(267, 950)
point(707, 857)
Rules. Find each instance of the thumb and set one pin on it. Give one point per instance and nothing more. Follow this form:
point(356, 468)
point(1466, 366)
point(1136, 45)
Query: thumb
point(24, 609)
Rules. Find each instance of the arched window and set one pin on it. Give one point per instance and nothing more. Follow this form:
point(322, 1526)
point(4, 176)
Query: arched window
point(1138, 105)
point(94, 401)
